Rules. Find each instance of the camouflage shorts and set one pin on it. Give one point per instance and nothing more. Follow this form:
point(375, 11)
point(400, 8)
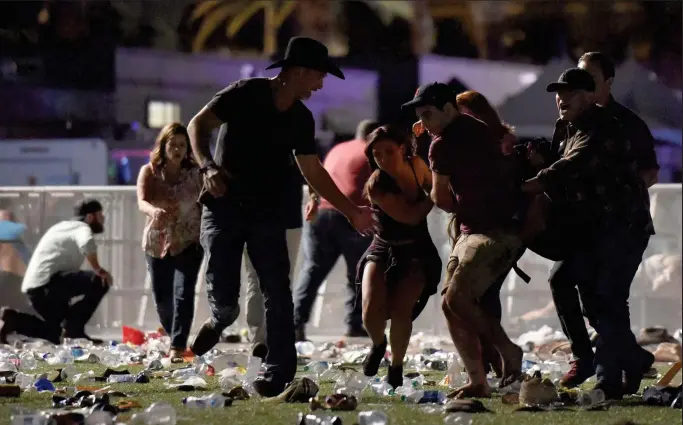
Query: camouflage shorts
point(478, 260)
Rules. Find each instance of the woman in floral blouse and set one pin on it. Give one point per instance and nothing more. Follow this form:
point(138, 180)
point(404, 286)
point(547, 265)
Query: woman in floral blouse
point(168, 188)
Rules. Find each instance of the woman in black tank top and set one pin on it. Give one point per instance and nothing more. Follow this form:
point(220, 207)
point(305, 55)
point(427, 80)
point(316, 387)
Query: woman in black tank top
point(401, 269)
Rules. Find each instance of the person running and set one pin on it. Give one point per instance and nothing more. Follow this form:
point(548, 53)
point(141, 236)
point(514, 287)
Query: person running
point(607, 199)
point(471, 180)
point(402, 264)
point(54, 278)
point(328, 235)
point(263, 122)
point(168, 188)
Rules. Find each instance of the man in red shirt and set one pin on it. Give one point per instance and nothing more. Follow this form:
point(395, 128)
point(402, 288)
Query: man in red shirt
point(327, 234)
point(470, 179)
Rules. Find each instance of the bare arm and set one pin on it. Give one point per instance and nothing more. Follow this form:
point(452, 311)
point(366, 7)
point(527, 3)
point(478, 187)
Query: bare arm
point(441, 192)
point(144, 189)
point(320, 182)
point(199, 129)
point(93, 261)
point(424, 173)
point(400, 210)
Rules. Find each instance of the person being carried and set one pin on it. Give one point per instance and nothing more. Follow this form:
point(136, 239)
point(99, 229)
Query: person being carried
point(262, 121)
point(471, 180)
point(168, 188)
point(54, 277)
point(402, 265)
point(327, 234)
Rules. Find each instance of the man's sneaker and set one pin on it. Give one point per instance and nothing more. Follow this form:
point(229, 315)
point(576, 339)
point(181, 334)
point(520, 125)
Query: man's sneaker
point(612, 392)
point(395, 376)
point(300, 333)
point(632, 378)
point(356, 332)
point(206, 339)
point(580, 371)
point(268, 387)
point(374, 358)
point(260, 351)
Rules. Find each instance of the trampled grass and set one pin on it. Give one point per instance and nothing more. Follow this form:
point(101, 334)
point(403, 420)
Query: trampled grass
point(256, 412)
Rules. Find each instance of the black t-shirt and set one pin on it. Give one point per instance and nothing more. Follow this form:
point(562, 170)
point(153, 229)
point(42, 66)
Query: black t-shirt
point(256, 144)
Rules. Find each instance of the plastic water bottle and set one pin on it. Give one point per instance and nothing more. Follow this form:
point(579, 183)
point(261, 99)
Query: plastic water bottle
point(317, 419)
point(210, 401)
point(119, 379)
point(456, 376)
point(253, 368)
point(529, 360)
point(412, 396)
point(382, 388)
point(373, 417)
point(65, 357)
point(459, 418)
point(27, 361)
point(317, 367)
point(68, 372)
point(305, 348)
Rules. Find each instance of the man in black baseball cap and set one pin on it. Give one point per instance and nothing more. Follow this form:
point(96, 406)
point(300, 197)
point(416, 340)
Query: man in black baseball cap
point(470, 180)
point(599, 205)
point(574, 90)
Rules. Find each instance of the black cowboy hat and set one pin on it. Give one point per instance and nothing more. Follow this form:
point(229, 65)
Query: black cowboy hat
point(308, 53)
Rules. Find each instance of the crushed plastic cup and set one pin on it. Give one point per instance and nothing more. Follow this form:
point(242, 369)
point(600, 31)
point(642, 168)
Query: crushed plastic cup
point(22, 416)
point(373, 417)
point(305, 348)
point(68, 372)
point(156, 414)
point(7, 367)
point(23, 381)
point(317, 419)
point(27, 361)
point(214, 400)
point(458, 418)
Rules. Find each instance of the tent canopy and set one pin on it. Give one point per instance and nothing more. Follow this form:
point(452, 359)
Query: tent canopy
point(533, 111)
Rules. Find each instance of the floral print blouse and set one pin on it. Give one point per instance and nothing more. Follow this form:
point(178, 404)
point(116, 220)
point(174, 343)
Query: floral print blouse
point(179, 228)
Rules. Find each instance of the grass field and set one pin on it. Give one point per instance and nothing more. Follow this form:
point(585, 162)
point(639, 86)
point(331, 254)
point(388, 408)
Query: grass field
point(255, 412)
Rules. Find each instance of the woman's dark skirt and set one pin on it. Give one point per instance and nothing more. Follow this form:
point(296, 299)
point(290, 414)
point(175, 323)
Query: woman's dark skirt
point(397, 259)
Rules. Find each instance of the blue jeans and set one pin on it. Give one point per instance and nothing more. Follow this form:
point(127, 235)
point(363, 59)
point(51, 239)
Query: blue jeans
point(329, 236)
point(174, 278)
point(618, 253)
point(226, 227)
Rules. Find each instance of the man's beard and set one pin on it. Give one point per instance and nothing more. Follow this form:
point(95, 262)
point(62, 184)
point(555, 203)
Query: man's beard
point(96, 227)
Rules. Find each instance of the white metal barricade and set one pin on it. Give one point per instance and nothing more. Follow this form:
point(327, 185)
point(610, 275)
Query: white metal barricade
point(656, 292)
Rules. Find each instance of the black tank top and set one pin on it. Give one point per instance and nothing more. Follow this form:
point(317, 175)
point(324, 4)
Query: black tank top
point(389, 229)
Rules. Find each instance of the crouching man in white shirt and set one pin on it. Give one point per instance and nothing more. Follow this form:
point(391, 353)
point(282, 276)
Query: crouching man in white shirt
point(54, 277)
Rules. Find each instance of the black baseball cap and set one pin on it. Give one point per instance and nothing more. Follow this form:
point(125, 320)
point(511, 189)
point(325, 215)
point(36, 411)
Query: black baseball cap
point(87, 206)
point(435, 94)
point(573, 79)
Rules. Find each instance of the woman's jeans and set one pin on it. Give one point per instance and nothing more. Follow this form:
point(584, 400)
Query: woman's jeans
point(174, 278)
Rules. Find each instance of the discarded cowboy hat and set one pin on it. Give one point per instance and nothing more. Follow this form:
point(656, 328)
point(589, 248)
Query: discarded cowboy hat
point(308, 53)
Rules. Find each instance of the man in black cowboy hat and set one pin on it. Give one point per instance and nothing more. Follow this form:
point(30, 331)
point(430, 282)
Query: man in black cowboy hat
point(263, 122)
point(54, 278)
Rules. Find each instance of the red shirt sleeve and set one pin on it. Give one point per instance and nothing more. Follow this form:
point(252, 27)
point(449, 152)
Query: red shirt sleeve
point(440, 158)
